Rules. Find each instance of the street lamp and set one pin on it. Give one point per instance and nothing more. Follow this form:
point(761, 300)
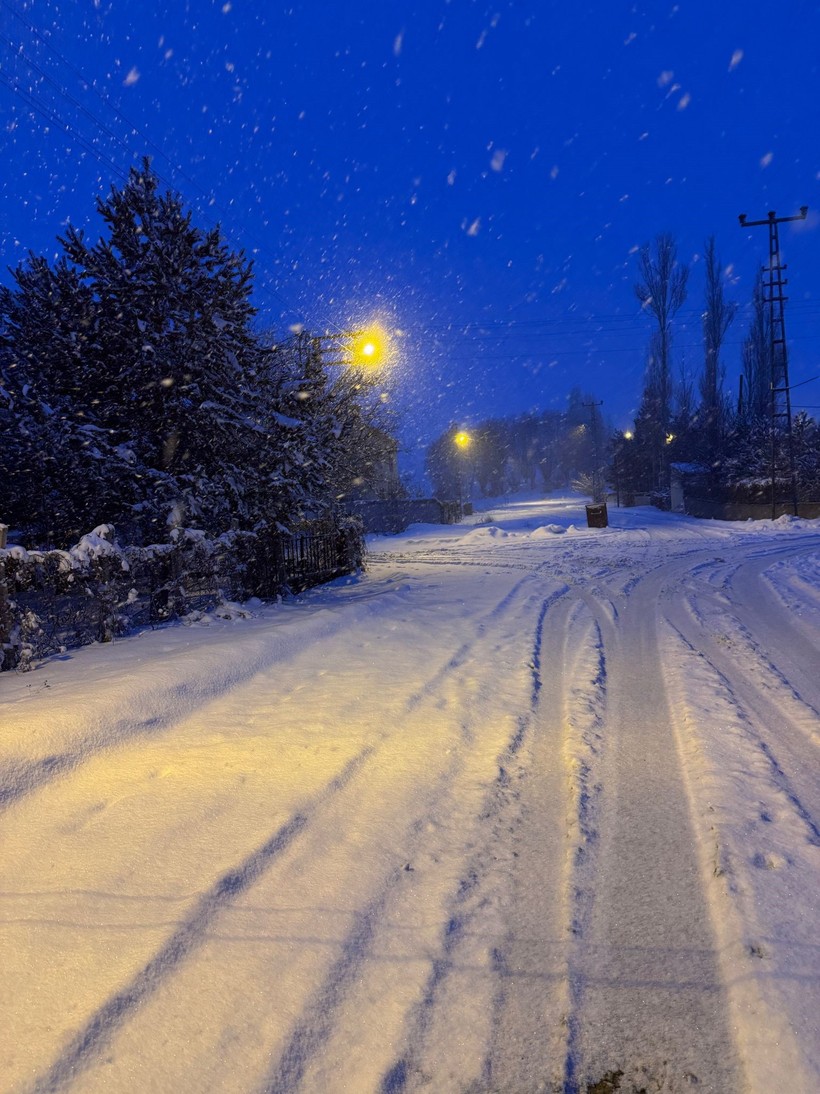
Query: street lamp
point(462, 440)
point(361, 349)
point(369, 347)
point(619, 459)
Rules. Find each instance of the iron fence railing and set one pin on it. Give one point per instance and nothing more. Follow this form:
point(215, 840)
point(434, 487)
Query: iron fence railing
point(56, 600)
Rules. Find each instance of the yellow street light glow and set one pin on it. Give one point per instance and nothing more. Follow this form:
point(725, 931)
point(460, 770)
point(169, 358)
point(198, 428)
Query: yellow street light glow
point(628, 435)
point(369, 347)
point(670, 437)
point(462, 439)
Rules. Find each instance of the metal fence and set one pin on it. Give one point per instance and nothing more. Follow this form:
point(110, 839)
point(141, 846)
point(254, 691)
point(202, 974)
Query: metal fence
point(56, 600)
point(393, 515)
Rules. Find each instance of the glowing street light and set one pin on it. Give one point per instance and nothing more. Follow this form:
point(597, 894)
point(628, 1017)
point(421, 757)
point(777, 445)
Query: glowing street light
point(462, 440)
point(369, 347)
point(360, 349)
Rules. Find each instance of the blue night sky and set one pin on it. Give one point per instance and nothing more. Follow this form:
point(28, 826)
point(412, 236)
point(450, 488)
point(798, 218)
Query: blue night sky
point(478, 175)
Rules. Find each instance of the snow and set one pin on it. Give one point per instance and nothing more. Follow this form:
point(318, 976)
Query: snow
point(515, 810)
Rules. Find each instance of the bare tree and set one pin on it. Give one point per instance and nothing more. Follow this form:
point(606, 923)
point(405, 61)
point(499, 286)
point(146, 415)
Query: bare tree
point(661, 291)
point(684, 399)
point(717, 317)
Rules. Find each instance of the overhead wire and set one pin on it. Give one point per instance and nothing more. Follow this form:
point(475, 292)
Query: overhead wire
point(56, 120)
point(477, 330)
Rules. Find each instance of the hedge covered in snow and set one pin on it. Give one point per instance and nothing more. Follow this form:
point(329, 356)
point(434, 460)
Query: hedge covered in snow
point(96, 590)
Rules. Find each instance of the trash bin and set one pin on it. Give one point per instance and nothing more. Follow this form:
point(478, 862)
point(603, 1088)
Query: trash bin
point(597, 516)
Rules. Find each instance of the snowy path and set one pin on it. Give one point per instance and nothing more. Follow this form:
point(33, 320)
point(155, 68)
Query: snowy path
point(527, 808)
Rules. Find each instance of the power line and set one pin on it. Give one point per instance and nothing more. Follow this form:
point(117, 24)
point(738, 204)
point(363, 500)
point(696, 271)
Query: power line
point(56, 120)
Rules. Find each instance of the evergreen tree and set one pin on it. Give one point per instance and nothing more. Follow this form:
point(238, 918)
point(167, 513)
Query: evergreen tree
point(175, 359)
point(57, 457)
point(135, 391)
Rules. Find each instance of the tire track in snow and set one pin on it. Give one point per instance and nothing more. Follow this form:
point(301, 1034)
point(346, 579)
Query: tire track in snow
point(160, 708)
point(490, 563)
point(315, 1024)
point(760, 862)
point(584, 713)
point(753, 731)
point(469, 913)
point(409, 1069)
point(312, 1029)
point(789, 652)
point(644, 984)
point(759, 730)
point(798, 593)
point(473, 941)
point(783, 724)
point(766, 627)
point(88, 1042)
point(526, 972)
point(164, 708)
point(464, 652)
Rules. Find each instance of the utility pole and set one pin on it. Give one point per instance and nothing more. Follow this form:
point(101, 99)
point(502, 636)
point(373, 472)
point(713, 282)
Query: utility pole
point(780, 404)
point(597, 486)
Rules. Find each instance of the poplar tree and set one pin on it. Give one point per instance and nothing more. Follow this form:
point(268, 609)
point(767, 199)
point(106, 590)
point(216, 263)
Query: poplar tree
point(662, 292)
point(718, 314)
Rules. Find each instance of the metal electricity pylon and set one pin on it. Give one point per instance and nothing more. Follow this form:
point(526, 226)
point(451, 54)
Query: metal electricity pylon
point(780, 395)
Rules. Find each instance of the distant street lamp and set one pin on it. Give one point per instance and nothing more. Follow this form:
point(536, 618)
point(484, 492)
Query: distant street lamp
point(462, 440)
point(617, 461)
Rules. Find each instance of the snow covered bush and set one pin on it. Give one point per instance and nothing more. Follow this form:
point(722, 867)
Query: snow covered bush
point(97, 590)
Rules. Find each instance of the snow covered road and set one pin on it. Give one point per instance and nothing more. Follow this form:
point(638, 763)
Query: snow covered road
point(529, 807)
